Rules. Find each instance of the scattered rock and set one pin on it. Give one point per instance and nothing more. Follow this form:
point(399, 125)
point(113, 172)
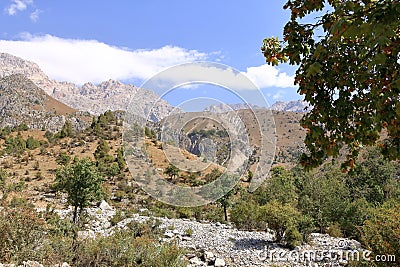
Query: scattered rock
point(208, 255)
point(32, 264)
point(196, 261)
point(217, 244)
point(219, 262)
point(105, 206)
point(169, 234)
point(186, 238)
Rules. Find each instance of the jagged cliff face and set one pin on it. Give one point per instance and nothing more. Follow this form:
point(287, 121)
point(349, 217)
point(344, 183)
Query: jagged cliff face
point(293, 106)
point(95, 99)
point(21, 101)
point(290, 106)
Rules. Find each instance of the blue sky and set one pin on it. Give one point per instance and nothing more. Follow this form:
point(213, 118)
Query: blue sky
point(132, 40)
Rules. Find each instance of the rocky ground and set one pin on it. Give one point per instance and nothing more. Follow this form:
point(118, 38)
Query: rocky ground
point(216, 244)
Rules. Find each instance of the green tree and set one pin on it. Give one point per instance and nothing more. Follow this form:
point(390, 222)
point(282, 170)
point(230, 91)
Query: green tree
point(245, 215)
point(101, 152)
point(120, 159)
point(63, 159)
point(374, 179)
point(250, 175)
point(50, 136)
point(225, 202)
point(3, 183)
point(32, 143)
point(67, 130)
point(82, 182)
point(280, 186)
point(172, 171)
point(149, 133)
point(348, 71)
point(323, 196)
point(22, 232)
point(15, 145)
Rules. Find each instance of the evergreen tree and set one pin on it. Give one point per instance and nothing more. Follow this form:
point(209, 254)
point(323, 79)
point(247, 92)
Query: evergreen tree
point(67, 130)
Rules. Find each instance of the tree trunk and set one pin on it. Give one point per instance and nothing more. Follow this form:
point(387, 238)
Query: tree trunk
point(75, 214)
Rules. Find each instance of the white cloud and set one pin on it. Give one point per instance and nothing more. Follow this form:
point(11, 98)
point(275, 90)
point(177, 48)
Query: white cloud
point(34, 16)
point(81, 61)
point(253, 79)
point(268, 76)
point(278, 95)
point(17, 5)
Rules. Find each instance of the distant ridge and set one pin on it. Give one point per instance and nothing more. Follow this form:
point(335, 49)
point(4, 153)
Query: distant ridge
point(228, 107)
point(21, 101)
point(95, 99)
point(293, 106)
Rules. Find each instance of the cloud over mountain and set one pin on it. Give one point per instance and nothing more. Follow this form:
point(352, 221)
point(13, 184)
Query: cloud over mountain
point(80, 61)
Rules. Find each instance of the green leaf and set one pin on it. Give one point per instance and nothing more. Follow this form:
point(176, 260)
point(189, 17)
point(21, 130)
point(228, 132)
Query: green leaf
point(314, 69)
point(379, 59)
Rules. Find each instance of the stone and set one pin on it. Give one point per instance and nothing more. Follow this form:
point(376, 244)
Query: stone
point(169, 234)
point(228, 245)
point(186, 238)
point(176, 232)
point(219, 262)
point(86, 234)
point(32, 264)
point(104, 205)
point(208, 255)
point(190, 255)
point(355, 244)
point(196, 261)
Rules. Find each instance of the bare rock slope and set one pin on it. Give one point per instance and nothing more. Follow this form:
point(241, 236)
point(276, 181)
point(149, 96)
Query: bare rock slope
point(95, 99)
point(21, 101)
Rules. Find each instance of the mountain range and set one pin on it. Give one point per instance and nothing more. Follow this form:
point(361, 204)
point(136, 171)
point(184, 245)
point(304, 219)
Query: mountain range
point(22, 101)
point(95, 99)
point(90, 98)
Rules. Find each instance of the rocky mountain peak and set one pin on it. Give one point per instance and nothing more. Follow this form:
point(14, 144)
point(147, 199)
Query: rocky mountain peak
point(10, 64)
point(293, 106)
point(21, 101)
point(95, 99)
point(111, 84)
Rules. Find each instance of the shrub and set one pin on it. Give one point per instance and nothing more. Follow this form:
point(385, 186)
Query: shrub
point(245, 215)
point(189, 232)
point(280, 218)
point(380, 233)
point(293, 237)
point(334, 230)
point(113, 169)
point(63, 159)
point(21, 233)
point(32, 143)
point(125, 249)
point(118, 216)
